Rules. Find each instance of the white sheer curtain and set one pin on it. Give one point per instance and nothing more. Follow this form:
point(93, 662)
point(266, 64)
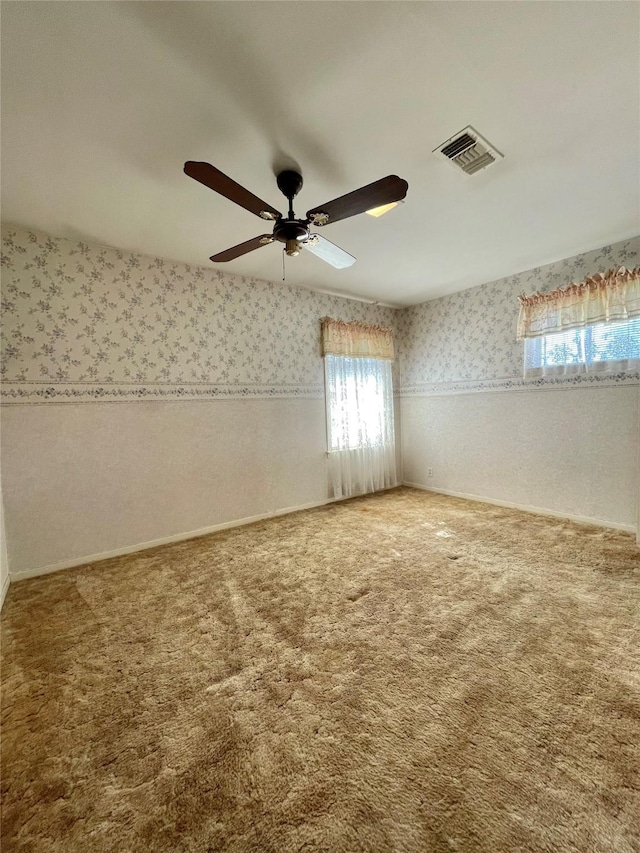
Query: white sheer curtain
point(362, 454)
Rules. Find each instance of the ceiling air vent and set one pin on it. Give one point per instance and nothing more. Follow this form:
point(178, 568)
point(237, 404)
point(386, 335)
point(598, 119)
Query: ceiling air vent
point(469, 151)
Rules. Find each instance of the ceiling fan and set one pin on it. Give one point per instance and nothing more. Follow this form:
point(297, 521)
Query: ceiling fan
point(295, 233)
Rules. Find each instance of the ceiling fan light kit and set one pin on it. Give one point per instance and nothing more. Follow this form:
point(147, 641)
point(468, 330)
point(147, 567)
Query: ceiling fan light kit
point(375, 198)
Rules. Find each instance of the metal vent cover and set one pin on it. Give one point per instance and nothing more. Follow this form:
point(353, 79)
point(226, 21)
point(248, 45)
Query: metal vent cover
point(468, 150)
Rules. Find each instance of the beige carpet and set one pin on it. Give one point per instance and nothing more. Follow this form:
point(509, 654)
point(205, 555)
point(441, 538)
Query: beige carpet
point(403, 672)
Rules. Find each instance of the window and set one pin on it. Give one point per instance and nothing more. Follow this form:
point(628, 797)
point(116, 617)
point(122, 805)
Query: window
point(592, 326)
point(596, 347)
point(359, 387)
point(359, 402)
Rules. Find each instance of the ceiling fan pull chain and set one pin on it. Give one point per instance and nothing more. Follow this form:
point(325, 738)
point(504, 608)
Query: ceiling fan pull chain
point(283, 254)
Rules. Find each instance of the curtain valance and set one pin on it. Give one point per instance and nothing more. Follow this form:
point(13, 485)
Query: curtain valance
point(607, 297)
point(356, 340)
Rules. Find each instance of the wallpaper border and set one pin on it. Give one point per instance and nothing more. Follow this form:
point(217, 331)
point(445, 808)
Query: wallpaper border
point(33, 392)
point(14, 392)
point(555, 383)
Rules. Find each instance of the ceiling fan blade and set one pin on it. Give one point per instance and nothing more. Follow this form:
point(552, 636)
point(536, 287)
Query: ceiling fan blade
point(243, 248)
point(329, 252)
point(221, 183)
point(384, 191)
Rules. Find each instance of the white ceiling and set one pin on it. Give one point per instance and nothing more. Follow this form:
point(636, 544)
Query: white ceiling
point(103, 102)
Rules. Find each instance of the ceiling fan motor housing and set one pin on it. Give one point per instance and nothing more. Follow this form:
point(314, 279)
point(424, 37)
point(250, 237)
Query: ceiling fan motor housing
point(291, 229)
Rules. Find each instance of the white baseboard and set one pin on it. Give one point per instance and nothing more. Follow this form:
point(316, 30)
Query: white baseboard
point(598, 522)
point(166, 540)
point(3, 591)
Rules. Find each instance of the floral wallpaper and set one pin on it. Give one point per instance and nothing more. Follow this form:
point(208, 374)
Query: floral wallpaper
point(84, 322)
point(467, 341)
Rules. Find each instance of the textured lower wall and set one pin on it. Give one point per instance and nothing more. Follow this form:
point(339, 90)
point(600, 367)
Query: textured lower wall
point(4, 561)
point(572, 451)
point(82, 479)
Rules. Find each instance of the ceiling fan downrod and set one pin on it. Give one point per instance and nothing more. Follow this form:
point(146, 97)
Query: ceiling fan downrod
point(290, 230)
